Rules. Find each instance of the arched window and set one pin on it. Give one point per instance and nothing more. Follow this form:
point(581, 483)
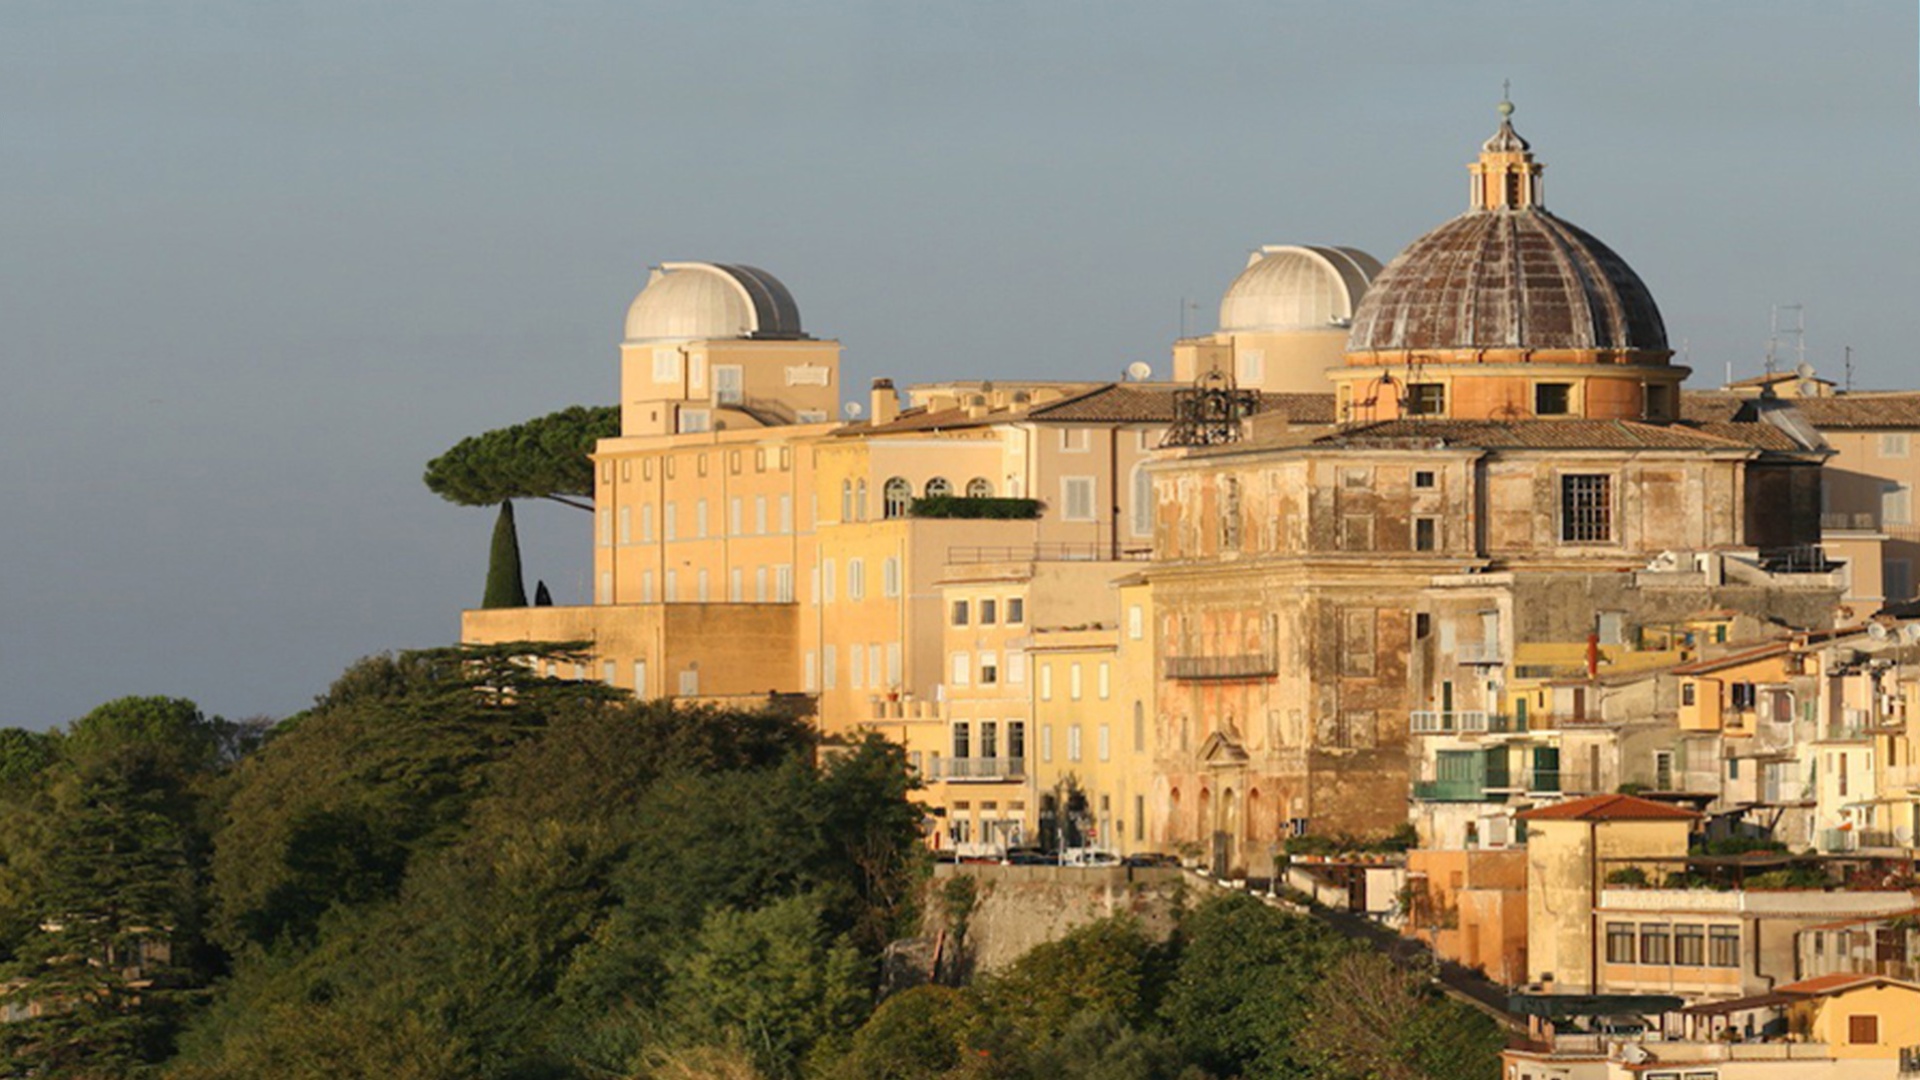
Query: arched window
point(896, 497)
point(1142, 501)
point(938, 487)
point(846, 500)
point(979, 488)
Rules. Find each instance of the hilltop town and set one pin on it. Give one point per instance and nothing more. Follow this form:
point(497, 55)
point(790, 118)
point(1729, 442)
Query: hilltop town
point(1432, 590)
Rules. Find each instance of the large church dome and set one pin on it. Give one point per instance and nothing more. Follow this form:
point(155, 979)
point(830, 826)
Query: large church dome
point(1507, 279)
point(1297, 288)
point(707, 301)
point(1507, 275)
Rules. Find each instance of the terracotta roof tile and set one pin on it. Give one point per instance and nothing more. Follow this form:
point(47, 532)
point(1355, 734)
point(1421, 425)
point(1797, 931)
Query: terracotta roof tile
point(1575, 434)
point(1821, 985)
point(1152, 403)
point(1608, 808)
point(1892, 409)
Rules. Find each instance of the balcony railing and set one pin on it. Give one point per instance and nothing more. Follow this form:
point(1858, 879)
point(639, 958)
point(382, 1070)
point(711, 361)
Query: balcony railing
point(1857, 521)
point(1489, 652)
point(1241, 666)
point(1460, 722)
point(978, 768)
point(1052, 552)
point(1450, 791)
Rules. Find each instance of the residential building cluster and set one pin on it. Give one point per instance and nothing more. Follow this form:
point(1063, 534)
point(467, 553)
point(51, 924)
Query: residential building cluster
point(1445, 543)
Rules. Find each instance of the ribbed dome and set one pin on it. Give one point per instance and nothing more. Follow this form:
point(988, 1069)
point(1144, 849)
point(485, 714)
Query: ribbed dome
point(1507, 278)
point(1298, 288)
point(707, 301)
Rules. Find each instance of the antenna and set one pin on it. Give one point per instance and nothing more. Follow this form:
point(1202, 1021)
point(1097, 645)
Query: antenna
point(1186, 305)
point(1798, 332)
point(1849, 383)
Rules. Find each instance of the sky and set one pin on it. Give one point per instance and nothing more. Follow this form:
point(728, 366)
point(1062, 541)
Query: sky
point(260, 262)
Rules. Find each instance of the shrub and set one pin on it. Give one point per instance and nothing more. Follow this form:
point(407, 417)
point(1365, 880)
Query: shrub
point(954, 506)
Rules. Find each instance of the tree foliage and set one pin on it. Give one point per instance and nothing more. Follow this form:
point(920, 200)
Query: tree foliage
point(505, 586)
point(543, 458)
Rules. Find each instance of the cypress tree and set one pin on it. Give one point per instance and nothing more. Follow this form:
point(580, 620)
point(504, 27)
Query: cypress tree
point(505, 589)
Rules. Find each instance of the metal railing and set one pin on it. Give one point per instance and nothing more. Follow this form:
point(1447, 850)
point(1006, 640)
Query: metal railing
point(1858, 521)
point(1448, 722)
point(1450, 791)
point(1240, 666)
point(978, 768)
point(1050, 552)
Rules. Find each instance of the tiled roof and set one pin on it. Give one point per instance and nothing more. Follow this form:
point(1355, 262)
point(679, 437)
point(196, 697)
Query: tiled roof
point(1608, 808)
point(923, 420)
point(1869, 410)
point(1152, 403)
point(1563, 435)
point(1821, 985)
point(1735, 659)
point(1860, 920)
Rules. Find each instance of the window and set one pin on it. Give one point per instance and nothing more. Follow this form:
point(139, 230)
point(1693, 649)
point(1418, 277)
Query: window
point(1103, 742)
point(960, 617)
point(828, 575)
point(1139, 817)
point(671, 525)
point(856, 666)
point(1663, 770)
point(1103, 680)
point(979, 488)
point(829, 667)
point(1136, 623)
point(1723, 946)
point(960, 673)
point(989, 668)
point(1139, 728)
point(1659, 401)
point(700, 585)
point(1426, 533)
point(626, 525)
point(962, 742)
point(1896, 505)
point(1073, 681)
point(700, 519)
point(1076, 498)
point(896, 497)
point(989, 612)
point(1552, 398)
point(760, 515)
point(786, 514)
point(646, 586)
point(759, 584)
point(1046, 682)
point(1690, 945)
point(1252, 364)
point(893, 663)
point(1586, 508)
point(1688, 693)
point(1073, 742)
point(1075, 439)
point(783, 583)
point(727, 384)
point(1423, 479)
point(673, 586)
point(846, 500)
point(695, 420)
point(1046, 742)
point(1016, 610)
point(1896, 577)
point(639, 678)
point(1863, 1030)
point(666, 365)
point(1619, 943)
point(1893, 444)
point(989, 742)
point(690, 681)
point(606, 587)
point(1016, 739)
point(856, 579)
point(811, 679)
point(1016, 667)
point(890, 576)
point(736, 585)
point(1656, 945)
point(1229, 513)
point(860, 500)
point(1426, 399)
point(939, 488)
point(646, 523)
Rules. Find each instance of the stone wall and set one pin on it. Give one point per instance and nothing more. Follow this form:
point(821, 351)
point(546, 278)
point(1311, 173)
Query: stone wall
point(1020, 907)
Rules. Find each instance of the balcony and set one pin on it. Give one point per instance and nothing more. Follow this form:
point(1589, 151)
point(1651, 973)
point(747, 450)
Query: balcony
point(1450, 791)
point(978, 769)
point(1241, 666)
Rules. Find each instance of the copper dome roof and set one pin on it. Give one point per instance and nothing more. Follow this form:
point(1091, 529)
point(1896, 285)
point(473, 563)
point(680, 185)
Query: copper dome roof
point(1507, 278)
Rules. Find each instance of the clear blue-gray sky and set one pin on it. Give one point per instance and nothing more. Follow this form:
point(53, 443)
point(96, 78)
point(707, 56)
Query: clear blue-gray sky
point(259, 262)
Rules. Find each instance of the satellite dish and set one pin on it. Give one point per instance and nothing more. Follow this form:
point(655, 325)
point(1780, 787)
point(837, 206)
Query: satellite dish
point(1634, 1054)
point(1139, 371)
point(1808, 389)
point(1804, 370)
point(1877, 631)
point(851, 410)
point(1910, 633)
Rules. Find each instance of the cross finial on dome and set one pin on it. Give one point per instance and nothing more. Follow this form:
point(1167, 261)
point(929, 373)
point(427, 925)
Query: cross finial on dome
point(1505, 107)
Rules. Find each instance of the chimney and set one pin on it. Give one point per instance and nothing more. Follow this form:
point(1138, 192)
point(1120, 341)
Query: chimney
point(885, 404)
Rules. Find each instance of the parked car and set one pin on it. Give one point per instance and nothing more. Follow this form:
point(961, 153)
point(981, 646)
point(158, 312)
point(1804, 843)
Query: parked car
point(1031, 857)
point(1151, 858)
point(1088, 857)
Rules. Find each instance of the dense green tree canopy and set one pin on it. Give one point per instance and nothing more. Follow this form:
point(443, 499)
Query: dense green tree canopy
point(544, 458)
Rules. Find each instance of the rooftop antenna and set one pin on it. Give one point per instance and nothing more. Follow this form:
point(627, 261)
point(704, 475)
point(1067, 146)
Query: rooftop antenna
point(1849, 382)
point(1797, 331)
point(1185, 306)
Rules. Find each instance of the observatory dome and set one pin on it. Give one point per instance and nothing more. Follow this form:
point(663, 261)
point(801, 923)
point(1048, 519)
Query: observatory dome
point(705, 301)
point(1297, 288)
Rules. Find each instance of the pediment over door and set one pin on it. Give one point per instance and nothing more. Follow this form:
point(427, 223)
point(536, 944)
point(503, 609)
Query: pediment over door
point(1222, 751)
